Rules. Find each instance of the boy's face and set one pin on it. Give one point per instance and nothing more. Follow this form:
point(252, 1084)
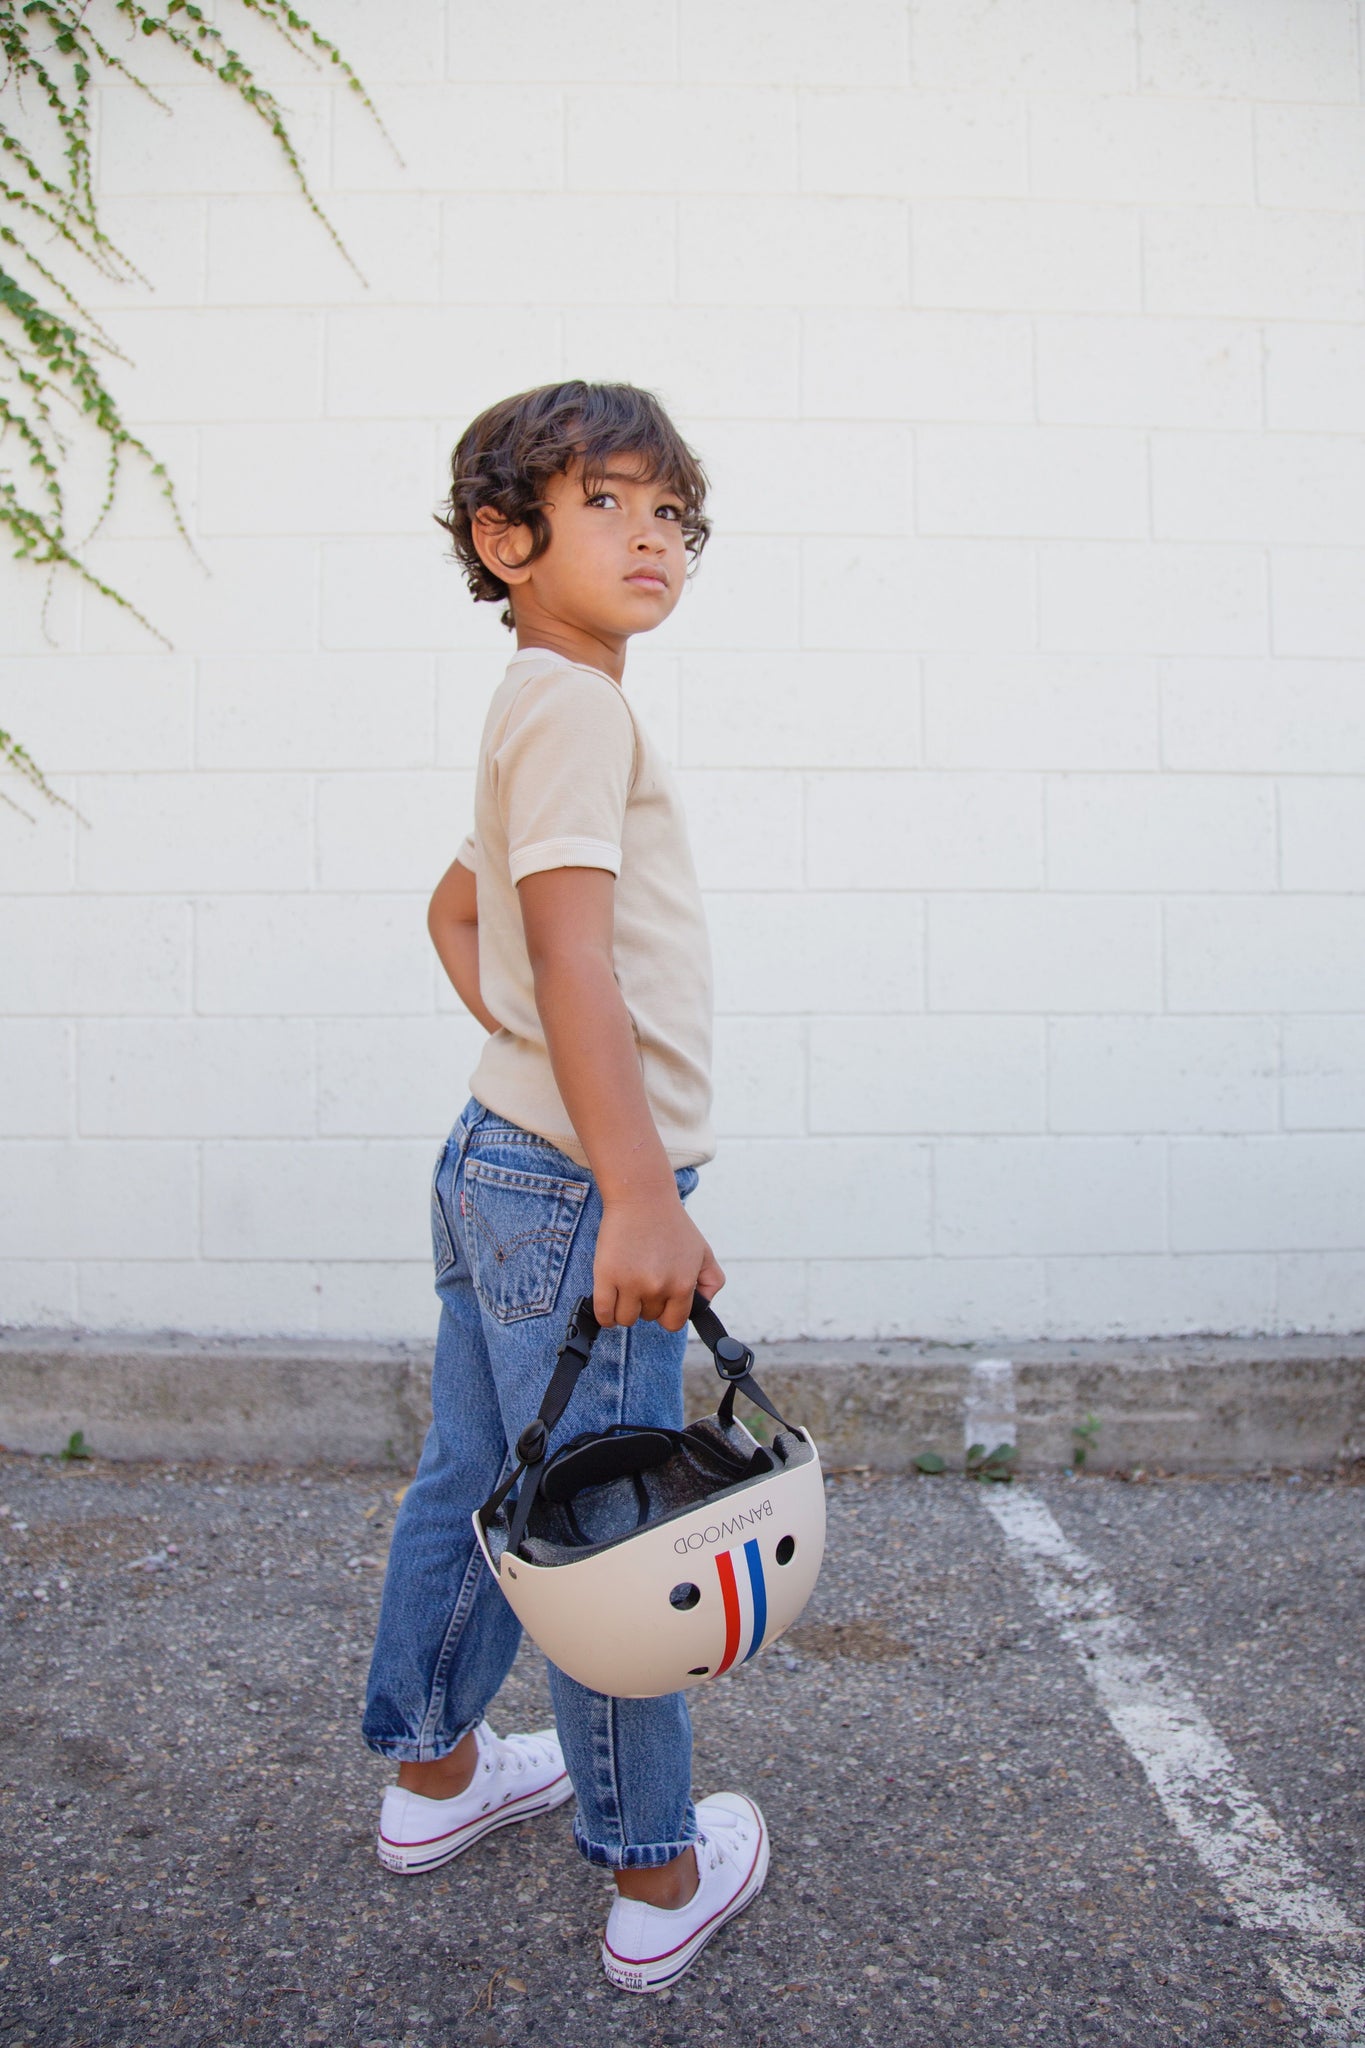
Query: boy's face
point(616, 561)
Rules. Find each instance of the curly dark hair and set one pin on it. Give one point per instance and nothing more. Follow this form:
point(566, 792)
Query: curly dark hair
point(505, 458)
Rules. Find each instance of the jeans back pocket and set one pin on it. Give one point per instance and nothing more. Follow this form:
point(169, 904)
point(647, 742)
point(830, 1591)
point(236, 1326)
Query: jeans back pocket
point(518, 1230)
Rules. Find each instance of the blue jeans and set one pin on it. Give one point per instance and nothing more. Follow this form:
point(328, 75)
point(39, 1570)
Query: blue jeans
point(514, 1226)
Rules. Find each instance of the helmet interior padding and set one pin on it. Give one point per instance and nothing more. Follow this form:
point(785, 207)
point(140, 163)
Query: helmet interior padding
point(703, 1462)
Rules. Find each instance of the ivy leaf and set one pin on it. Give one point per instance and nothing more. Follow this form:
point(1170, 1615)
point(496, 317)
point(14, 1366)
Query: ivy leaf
point(44, 356)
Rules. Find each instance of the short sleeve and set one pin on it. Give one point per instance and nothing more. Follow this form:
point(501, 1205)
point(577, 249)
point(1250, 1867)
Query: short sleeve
point(467, 855)
point(563, 773)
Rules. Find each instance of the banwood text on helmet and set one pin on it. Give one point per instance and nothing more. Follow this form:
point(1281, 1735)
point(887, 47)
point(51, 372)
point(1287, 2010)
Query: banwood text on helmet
point(643, 1560)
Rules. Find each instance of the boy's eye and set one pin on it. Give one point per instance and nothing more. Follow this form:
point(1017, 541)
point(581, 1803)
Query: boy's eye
point(602, 498)
point(669, 512)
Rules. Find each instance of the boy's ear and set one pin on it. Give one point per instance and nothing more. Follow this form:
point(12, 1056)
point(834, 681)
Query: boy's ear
point(502, 547)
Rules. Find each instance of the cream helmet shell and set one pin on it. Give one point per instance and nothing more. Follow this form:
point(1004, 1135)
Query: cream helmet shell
point(695, 1592)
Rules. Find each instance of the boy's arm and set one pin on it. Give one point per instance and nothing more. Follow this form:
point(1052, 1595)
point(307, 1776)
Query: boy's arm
point(651, 1258)
point(453, 921)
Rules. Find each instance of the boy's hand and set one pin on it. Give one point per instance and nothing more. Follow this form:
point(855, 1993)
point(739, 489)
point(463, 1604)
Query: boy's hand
point(650, 1260)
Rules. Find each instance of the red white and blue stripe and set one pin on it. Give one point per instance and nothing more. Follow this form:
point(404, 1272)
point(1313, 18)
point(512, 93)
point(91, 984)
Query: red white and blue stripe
point(744, 1596)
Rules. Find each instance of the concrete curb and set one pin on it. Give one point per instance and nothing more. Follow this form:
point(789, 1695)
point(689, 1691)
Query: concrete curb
point(1190, 1404)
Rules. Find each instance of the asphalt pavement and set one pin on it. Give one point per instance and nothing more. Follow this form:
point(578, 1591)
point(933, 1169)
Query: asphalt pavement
point(971, 1843)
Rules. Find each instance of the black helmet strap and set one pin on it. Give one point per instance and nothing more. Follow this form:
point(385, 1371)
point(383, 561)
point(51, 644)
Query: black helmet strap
point(733, 1361)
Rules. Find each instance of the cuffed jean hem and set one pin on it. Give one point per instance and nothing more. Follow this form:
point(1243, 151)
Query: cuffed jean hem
point(403, 1749)
point(631, 1855)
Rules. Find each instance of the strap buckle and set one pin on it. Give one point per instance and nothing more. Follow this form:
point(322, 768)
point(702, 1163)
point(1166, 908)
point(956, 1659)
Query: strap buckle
point(578, 1338)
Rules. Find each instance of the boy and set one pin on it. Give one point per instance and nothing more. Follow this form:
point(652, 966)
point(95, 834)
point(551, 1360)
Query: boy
point(571, 925)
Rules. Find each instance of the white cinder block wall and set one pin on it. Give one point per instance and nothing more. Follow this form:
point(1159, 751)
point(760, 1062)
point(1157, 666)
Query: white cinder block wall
point(1019, 704)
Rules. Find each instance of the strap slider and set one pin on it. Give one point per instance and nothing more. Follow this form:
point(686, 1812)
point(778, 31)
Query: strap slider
point(582, 1332)
point(532, 1442)
point(733, 1359)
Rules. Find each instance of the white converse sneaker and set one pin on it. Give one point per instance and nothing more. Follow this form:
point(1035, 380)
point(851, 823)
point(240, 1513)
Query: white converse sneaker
point(515, 1778)
point(647, 1948)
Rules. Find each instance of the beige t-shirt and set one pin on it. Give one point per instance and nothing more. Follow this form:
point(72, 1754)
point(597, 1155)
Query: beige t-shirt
point(568, 777)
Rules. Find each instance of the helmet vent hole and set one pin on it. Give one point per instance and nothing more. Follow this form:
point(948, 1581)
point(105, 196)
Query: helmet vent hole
point(786, 1549)
point(699, 1671)
point(685, 1596)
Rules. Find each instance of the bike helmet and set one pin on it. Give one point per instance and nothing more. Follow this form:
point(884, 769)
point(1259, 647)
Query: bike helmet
point(723, 1554)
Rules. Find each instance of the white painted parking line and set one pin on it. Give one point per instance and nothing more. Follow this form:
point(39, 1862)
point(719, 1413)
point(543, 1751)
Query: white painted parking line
point(1317, 1951)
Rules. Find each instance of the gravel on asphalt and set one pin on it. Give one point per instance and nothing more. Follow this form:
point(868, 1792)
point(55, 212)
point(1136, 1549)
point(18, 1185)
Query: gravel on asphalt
point(963, 1849)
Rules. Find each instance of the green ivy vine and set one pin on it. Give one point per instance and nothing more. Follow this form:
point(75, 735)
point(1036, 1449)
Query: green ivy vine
point(51, 53)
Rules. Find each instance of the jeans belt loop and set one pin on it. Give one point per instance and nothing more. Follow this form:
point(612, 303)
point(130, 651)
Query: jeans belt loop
point(467, 1131)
